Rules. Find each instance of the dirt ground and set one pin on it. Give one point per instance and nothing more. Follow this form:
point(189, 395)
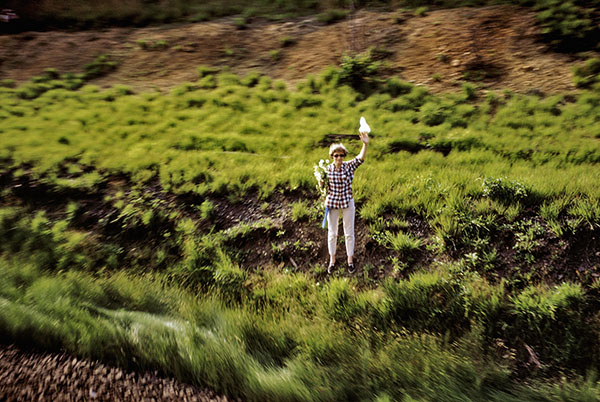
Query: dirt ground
point(29, 376)
point(498, 47)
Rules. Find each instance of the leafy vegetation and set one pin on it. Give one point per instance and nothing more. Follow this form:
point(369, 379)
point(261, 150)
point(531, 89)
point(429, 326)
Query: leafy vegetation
point(179, 232)
point(285, 336)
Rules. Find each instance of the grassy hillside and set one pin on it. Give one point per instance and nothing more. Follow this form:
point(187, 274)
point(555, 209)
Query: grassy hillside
point(181, 232)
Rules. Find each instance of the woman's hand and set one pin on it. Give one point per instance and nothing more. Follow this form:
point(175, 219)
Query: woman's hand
point(364, 137)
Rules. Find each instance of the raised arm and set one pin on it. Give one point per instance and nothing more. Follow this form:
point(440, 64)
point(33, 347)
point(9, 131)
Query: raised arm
point(364, 137)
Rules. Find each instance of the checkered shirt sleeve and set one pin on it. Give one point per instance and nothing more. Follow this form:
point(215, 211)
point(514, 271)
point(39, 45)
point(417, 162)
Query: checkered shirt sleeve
point(339, 192)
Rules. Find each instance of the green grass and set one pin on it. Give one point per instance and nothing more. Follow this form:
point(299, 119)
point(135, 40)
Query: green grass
point(471, 188)
point(287, 337)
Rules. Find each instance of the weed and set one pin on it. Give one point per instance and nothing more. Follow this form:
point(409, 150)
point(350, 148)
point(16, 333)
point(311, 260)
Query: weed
point(240, 22)
point(587, 74)
point(504, 190)
point(300, 211)
point(332, 16)
point(101, 65)
point(287, 41)
point(275, 55)
point(421, 11)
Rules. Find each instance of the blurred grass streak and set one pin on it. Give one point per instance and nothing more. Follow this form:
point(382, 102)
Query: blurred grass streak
point(272, 350)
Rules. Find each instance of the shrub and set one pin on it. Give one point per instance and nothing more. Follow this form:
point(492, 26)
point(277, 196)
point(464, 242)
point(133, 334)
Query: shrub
point(341, 302)
point(503, 190)
point(587, 74)
point(207, 82)
point(421, 11)
point(358, 72)
point(469, 91)
point(240, 23)
point(203, 71)
point(101, 66)
point(228, 278)
point(433, 113)
point(302, 100)
point(404, 243)
point(275, 54)
point(287, 41)
point(207, 210)
point(396, 87)
point(7, 83)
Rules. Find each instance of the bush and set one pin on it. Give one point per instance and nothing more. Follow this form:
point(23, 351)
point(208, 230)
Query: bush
point(7, 83)
point(203, 71)
point(503, 190)
point(101, 66)
point(587, 74)
point(434, 114)
point(207, 210)
point(358, 72)
point(421, 11)
point(396, 87)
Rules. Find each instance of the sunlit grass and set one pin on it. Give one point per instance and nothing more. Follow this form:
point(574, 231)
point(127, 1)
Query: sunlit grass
point(530, 169)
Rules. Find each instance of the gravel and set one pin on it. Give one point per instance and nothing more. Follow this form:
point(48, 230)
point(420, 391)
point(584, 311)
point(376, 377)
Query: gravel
point(32, 376)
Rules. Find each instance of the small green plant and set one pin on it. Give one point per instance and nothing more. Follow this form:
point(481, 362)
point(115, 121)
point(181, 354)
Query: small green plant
point(287, 41)
point(160, 44)
point(203, 71)
point(436, 77)
point(421, 11)
point(470, 91)
point(101, 66)
point(275, 55)
point(358, 71)
point(207, 210)
point(300, 211)
point(588, 74)
point(240, 22)
point(332, 16)
point(402, 242)
point(504, 190)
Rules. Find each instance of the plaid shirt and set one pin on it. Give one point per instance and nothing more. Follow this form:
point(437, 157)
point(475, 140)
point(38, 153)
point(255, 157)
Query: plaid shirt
point(339, 191)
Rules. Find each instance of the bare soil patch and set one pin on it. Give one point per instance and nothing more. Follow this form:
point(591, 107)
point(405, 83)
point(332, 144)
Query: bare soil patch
point(498, 47)
point(28, 376)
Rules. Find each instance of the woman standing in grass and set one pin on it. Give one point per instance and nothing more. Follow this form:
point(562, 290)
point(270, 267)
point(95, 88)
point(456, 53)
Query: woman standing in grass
point(339, 198)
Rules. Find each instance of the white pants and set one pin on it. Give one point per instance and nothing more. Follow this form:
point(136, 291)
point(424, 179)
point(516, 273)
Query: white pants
point(332, 228)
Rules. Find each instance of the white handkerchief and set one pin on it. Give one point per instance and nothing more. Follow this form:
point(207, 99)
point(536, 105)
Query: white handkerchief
point(364, 127)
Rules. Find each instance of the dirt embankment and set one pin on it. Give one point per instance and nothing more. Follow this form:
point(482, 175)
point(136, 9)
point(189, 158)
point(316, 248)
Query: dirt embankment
point(497, 47)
